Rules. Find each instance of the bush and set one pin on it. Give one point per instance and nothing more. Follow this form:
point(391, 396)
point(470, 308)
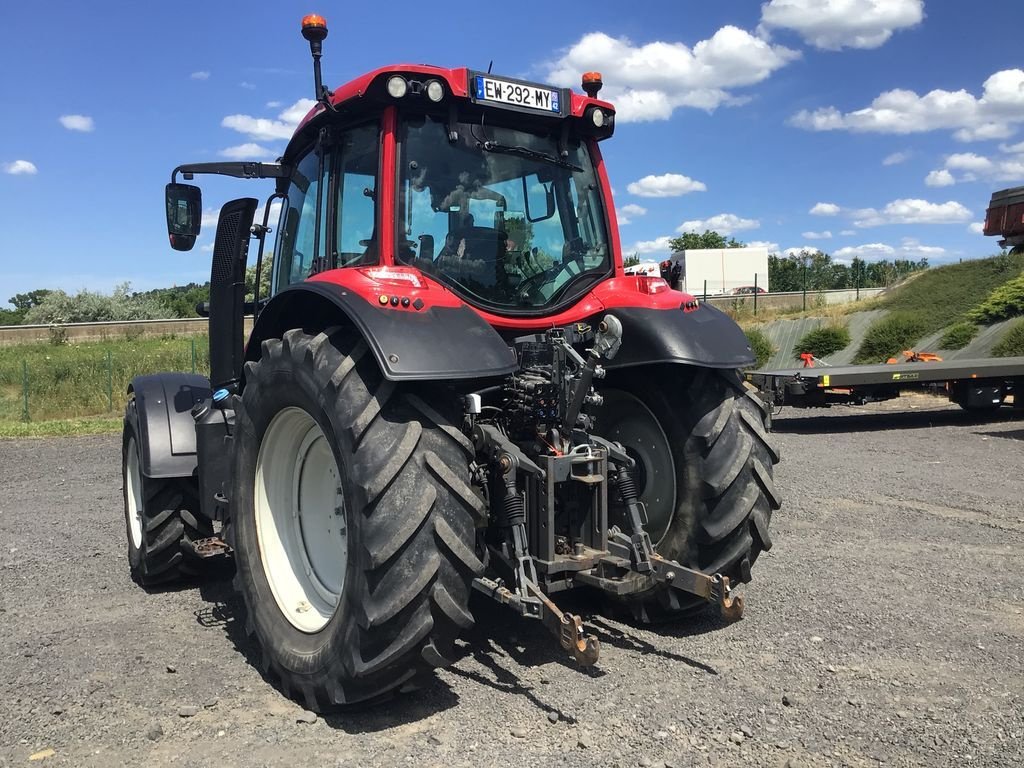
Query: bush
point(958, 335)
point(889, 336)
point(59, 308)
point(1012, 344)
point(823, 341)
point(760, 345)
point(1004, 302)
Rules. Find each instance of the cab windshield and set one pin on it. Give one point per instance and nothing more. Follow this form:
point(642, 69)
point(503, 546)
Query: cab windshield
point(498, 215)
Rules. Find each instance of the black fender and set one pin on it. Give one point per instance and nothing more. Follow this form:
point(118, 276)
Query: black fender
point(705, 337)
point(435, 343)
point(162, 419)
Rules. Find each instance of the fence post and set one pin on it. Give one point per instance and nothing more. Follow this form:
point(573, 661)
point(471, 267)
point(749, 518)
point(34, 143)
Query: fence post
point(705, 291)
point(755, 294)
point(805, 285)
point(193, 354)
point(24, 388)
point(110, 380)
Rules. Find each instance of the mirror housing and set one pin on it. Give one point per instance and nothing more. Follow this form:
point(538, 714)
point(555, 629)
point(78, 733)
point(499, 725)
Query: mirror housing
point(547, 203)
point(184, 215)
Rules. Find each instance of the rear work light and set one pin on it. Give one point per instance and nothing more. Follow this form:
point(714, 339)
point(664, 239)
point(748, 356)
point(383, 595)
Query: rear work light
point(395, 276)
point(650, 285)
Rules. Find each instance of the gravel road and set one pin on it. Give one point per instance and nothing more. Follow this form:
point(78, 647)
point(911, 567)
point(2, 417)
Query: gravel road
point(885, 626)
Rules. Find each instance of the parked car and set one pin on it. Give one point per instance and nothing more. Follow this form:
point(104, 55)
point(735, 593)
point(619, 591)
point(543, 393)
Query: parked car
point(747, 289)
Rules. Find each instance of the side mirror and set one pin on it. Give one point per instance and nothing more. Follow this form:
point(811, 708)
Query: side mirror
point(538, 197)
point(184, 214)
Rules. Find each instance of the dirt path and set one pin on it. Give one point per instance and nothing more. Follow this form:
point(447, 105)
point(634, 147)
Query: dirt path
point(885, 626)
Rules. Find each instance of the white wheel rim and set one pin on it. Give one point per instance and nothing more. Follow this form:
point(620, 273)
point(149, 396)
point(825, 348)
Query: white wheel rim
point(300, 520)
point(133, 495)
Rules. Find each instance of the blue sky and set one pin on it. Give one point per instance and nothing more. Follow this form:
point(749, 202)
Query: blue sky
point(862, 127)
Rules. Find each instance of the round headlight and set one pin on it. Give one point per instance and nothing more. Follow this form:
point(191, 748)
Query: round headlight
point(598, 117)
point(397, 86)
point(435, 91)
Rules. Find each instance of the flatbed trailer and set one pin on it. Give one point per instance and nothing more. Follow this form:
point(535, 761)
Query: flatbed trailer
point(974, 385)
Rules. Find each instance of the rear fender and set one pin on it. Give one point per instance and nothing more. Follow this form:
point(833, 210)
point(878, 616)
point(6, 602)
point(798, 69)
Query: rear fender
point(438, 342)
point(161, 416)
point(705, 337)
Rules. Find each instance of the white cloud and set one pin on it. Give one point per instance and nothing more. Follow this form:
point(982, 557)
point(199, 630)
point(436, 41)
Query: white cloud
point(202, 75)
point(941, 178)
point(273, 104)
point(976, 228)
point(651, 81)
point(825, 209)
point(21, 168)
point(263, 129)
point(644, 247)
point(848, 233)
point(896, 158)
point(627, 213)
point(772, 247)
point(838, 24)
point(801, 250)
point(911, 247)
point(209, 219)
point(993, 115)
point(81, 123)
point(247, 151)
point(968, 161)
point(826, 235)
point(866, 251)
point(208, 247)
point(722, 223)
point(969, 166)
point(665, 185)
point(247, 85)
point(912, 211)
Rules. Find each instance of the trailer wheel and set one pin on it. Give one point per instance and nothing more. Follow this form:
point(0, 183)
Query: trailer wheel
point(704, 470)
point(162, 518)
point(354, 523)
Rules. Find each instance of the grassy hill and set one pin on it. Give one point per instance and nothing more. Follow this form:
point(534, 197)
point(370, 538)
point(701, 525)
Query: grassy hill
point(971, 309)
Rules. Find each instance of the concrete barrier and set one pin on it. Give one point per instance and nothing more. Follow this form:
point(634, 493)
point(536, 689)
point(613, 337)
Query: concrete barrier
point(192, 326)
point(134, 329)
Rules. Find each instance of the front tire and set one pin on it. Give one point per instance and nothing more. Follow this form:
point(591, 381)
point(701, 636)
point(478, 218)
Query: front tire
point(353, 521)
point(704, 468)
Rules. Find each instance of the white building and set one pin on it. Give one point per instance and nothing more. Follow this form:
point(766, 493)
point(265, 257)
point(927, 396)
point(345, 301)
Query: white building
point(725, 270)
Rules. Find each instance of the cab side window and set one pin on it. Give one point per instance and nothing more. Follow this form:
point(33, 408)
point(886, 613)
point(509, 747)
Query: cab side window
point(297, 227)
point(348, 173)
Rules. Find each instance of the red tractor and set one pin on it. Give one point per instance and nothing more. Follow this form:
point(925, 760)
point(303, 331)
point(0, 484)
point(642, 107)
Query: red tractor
point(452, 387)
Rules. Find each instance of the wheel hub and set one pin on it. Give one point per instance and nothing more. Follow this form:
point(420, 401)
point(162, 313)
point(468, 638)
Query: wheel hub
point(301, 524)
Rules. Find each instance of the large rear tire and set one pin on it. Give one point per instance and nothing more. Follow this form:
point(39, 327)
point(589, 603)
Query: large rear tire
point(162, 517)
point(353, 522)
point(704, 468)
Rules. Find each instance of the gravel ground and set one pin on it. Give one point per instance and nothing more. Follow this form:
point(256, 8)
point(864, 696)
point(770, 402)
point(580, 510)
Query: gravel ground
point(885, 626)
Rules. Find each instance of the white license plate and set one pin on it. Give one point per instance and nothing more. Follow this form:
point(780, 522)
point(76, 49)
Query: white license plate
point(516, 94)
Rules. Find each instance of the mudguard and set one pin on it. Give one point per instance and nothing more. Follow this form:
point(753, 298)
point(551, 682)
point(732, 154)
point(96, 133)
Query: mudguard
point(705, 336)
point(165, 427)
point(439, 342)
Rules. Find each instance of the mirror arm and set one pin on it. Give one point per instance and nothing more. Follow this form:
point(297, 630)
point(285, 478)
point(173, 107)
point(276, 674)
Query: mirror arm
point(237, 170)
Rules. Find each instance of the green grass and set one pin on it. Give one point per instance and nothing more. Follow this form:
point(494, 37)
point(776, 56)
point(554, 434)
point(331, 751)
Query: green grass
point(958, 335)
point(1012, 343)
point(760, 345)
point(943, 295)
point(100, 425)
point(70, 381)
point(933, 300)
point(823, 341)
